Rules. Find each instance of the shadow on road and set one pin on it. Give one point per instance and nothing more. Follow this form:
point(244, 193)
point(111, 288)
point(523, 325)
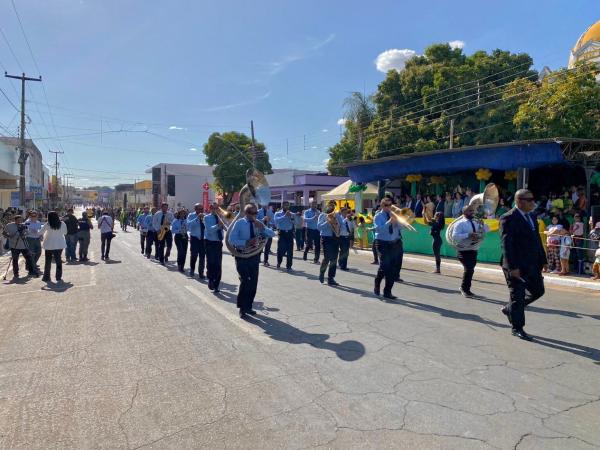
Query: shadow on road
point(112, 261)
point(284, 332)
point(57, 287)
point(576, 349)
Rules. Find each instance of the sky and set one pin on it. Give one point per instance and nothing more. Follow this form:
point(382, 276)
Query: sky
point(131, 83)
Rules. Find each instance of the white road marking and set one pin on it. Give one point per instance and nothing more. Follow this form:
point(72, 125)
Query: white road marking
point(252, 330)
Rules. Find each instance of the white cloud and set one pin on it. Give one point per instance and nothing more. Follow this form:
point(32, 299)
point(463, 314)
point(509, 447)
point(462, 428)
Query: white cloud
point(273, 68)
point(174, 127)
point(236, 105)
point(324, 130)
point(393, 59)
point(193, 149)
point(314, 147)
point(341, 122)
point(456, 44)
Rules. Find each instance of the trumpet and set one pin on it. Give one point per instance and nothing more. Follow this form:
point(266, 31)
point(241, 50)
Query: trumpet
point(404, 216)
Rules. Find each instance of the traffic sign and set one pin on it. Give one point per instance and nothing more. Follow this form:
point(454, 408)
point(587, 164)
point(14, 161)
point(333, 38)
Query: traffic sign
point(205, 186)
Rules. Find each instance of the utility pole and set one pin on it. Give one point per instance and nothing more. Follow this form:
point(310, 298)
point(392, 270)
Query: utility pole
point(451, 133)
point(22, 152)
point(56, 153)
point(253, 148)
point(478, 93)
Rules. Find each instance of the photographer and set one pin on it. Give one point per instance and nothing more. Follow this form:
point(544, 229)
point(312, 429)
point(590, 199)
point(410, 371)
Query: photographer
point(16, 232)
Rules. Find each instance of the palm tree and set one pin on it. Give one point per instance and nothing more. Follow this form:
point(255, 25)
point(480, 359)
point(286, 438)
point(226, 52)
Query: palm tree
point(359, 110)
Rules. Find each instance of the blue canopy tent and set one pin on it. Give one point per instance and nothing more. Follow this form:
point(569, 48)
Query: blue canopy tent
point(510, 156)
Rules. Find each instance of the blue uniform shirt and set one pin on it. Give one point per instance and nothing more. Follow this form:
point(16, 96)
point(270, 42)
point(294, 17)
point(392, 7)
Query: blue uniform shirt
point(264, 211)
point(179, 226)
point(311, 219)
point(212, 228)
point(282, 222)
point(194, 226)
point(382, 228)
point(240, 232)
point(343, 228)
point(148, 223)
point(325, 228)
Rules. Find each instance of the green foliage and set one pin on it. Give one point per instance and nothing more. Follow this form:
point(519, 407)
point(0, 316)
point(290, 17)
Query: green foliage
point(566, 104)
point(230, 154)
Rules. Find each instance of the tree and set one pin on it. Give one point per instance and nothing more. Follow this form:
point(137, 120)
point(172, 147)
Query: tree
point(566, 104)
point(230, 154)
point(359, 111)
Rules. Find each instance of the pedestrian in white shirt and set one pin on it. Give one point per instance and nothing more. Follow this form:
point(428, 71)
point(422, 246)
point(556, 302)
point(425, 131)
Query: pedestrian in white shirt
point(106, 226)
point(53, 243)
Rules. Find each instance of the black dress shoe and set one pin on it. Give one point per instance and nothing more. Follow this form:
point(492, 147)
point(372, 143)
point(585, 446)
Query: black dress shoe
point(251, 312)
point(216, 291)
point(266, 264)
point(521, 334)
point(332, 283)
point(304, 258)
point(279, 266)
point(242, 314)
point(377, 292)
point(390, 296)
point(504, 311)
point(466, 294)
point(399, 280)
point(322, 278)
point(316, 261)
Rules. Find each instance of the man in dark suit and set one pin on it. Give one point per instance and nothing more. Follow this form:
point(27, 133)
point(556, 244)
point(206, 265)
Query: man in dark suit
point(523, 258)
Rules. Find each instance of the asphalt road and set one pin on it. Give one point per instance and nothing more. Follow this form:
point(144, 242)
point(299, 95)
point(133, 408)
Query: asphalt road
point(129, 354)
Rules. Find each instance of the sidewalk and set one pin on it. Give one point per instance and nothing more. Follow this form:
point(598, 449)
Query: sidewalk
point(571, 280)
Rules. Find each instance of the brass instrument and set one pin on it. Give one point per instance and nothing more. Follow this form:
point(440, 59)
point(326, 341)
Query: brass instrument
point(225, 215)
point(165, 227)
point(256, 191)
point(485, 204)
point(404, 216)
point(333, 221)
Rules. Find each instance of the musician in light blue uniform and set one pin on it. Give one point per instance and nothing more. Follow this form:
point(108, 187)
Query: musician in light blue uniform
point(285, 231)
point(267, 216)
point(179, 230)
point(331, 244)
point(141, 224)
point(313, 237)
point(243, 234)
point(148, 224)
point(215, 228)
point(388, 244)
point(345, 238)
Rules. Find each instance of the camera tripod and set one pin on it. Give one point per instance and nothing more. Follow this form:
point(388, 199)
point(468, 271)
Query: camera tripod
point(30, 256)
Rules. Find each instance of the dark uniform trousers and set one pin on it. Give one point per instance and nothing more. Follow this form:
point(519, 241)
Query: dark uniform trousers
point(150, 239)
point(197, 253)
point(143, 237)
point(399, 257)
point(313, 241)
point(268, 249)
point(181, 242)
point(299, 237)
point(285, 247)
point(247, 269)
point(468, 259)
point(331, 248)
point(160, 245)
point(214, 259)
point(522, 294)
point(388, 254)
point(344, 251)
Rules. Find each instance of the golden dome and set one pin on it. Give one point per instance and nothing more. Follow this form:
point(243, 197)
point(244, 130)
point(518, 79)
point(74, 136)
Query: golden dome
point(587, 47)
point(591, 34)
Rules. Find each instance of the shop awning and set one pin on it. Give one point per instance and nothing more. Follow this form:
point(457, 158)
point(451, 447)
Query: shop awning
point(439, 162)
point(342, 192)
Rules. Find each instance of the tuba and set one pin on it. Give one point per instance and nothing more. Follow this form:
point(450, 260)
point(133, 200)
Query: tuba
point(485, 205)
point(256, 191)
